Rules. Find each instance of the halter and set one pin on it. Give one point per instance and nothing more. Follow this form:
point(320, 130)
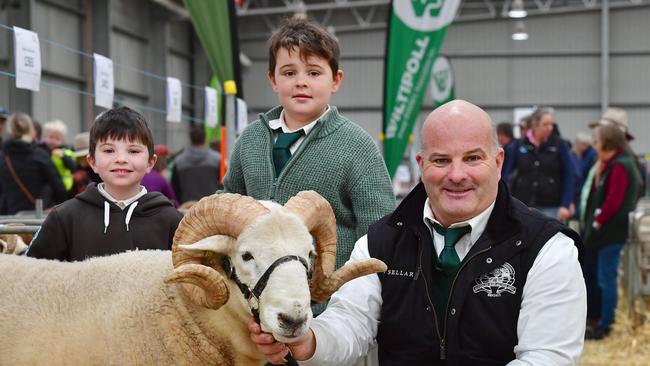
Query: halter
point(253, 296)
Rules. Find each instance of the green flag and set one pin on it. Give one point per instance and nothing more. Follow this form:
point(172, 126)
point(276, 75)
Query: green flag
point(214, 23)
point(443, 89)
point(415, 33)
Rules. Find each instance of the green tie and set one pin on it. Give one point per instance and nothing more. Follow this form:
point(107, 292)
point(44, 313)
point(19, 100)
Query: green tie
point(448, 260)
point(281, 152)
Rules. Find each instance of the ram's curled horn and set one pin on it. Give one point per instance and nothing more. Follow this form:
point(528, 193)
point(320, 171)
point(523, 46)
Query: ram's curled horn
point(317, 214)
point(218, 214)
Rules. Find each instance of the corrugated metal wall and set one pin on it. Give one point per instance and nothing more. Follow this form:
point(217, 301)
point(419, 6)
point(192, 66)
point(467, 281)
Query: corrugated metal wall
point(558, 66)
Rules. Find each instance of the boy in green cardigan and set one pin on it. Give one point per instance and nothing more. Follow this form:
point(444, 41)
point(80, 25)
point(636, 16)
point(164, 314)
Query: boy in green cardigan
point(305, 144)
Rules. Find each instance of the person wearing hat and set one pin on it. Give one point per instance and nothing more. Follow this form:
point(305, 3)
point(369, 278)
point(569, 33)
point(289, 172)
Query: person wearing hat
point(611, 195)
point(26, 172)
point(618, 117)
point(83, 174)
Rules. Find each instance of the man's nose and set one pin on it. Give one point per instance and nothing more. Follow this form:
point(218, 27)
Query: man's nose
point(457, 172)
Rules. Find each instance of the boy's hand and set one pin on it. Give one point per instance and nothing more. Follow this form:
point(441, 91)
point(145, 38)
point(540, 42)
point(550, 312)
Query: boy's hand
point(57, 153)
point(274, 351)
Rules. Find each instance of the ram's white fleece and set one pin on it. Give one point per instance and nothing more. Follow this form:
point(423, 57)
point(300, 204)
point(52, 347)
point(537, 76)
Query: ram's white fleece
point(113, 310)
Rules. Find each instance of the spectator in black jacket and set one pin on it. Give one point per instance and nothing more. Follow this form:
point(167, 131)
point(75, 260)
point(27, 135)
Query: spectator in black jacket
point(26, 172)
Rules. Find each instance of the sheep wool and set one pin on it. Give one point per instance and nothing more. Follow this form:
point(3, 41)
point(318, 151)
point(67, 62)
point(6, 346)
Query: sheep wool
point(113, 310)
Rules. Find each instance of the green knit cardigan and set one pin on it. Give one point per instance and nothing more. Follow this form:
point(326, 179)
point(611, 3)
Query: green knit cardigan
point(337, 159)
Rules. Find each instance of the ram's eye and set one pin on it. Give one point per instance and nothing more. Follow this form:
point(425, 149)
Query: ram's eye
point(247, 256)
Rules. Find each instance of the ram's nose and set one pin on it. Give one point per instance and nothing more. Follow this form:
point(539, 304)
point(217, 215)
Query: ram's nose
point(291, 324)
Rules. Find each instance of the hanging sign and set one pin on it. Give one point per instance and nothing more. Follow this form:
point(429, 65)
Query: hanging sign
point(211, 108)
point(103, 80)
point(27, 57)
point(174, 100)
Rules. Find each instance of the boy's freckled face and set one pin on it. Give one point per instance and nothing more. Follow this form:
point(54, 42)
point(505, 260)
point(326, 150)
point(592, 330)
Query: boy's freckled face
point(121, 164)
point(304, 87)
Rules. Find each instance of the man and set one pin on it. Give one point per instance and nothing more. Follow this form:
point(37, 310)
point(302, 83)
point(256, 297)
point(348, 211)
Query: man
point(509, 292)
point(541, 172)
point(195, 172)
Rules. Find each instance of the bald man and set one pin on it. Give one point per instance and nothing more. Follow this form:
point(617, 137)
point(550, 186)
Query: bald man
point(474, 276)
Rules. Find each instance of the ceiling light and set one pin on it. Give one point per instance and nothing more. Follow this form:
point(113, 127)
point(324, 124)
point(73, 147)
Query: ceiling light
point(517, 9)
point(520, 33)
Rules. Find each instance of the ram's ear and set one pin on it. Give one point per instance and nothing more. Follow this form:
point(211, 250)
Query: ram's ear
point(218, 244)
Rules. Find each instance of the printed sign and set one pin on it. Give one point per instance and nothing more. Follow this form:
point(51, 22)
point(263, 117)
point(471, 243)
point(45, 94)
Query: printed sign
point(103, 79)
point(211, 107)
point(27, 57)
point(174, 100)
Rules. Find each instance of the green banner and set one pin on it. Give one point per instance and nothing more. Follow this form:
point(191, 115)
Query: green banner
point(214, 23)
point(443, 88)
point(415, 34)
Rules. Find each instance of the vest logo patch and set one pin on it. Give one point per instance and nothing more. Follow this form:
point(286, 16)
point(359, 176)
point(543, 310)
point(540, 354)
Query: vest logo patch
point(399, 273)
point(496, 281)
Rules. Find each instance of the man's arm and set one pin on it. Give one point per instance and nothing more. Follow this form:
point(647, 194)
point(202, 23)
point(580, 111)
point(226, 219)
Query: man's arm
point(343, 333)
point(551, 324)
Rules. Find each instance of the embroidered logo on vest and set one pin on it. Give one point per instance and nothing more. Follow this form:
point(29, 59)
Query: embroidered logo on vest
point(496, 281)
point(399, 272)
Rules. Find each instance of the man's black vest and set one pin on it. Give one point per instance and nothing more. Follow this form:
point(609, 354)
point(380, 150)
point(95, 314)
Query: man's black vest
point(480, 326)
point(538, 173)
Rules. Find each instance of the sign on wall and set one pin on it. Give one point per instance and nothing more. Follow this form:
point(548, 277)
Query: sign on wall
point(27, 57)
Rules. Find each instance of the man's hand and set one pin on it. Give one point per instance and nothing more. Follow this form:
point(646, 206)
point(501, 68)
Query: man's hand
point(275, 352)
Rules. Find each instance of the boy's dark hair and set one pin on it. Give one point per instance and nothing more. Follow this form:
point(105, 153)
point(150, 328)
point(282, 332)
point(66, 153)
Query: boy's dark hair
point(120, 123)
point(308, 38)
point(505, 129)
point(197, 135)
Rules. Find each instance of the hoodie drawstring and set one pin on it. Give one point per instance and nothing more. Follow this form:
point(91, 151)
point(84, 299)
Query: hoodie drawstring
point(129, 213)
point(107, 215)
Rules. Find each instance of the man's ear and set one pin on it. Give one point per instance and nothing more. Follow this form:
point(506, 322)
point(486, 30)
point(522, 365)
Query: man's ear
point(272, 81)
point(499, 160)
point(338, 78)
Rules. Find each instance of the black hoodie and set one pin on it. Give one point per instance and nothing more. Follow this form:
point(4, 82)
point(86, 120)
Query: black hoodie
point(89, 226)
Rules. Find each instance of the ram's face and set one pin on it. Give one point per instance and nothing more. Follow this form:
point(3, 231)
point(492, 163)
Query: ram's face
point(285, 302)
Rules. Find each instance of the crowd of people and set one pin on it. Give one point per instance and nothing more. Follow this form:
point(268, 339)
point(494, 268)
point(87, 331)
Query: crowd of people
point(595, 181)
point(474, 275)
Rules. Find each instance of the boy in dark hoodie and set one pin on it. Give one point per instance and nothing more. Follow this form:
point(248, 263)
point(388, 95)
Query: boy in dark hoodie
point(119, 214)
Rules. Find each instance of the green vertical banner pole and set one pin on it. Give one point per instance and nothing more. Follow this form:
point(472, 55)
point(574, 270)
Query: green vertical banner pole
point(416, 30)
point(215, 24)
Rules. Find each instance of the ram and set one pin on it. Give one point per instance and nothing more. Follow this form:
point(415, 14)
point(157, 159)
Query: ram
point(232, 257)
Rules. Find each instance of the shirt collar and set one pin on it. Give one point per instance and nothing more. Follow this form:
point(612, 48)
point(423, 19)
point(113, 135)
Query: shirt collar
point(279, 123)
point(477, 223)
point(121, 203)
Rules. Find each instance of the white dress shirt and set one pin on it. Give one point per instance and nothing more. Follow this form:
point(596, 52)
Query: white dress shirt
point(550, 327)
